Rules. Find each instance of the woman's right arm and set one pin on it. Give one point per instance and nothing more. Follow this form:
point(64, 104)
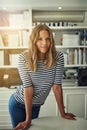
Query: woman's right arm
point(28, 96)
point(28, 91)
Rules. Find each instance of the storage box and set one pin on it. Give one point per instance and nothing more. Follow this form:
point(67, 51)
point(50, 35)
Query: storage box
point(70, 40)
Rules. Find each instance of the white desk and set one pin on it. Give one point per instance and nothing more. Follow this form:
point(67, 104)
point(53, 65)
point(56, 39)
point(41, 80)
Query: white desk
point(58, 123)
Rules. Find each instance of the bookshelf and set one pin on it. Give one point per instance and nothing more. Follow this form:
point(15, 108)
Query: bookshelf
point(71, 45)
point(13, 44)
point(13, 40)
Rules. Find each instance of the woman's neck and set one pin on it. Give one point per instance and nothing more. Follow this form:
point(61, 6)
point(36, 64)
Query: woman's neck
point(42, 56)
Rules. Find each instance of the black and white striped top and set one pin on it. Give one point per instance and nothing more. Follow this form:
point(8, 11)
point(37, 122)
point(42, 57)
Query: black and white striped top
point(42, 80)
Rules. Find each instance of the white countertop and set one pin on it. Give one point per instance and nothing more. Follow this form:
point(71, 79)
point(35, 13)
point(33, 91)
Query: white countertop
point(58, 123)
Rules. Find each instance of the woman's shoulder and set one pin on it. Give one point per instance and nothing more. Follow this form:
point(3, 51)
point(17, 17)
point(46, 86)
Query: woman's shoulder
point(24, 54)
point(59, 55)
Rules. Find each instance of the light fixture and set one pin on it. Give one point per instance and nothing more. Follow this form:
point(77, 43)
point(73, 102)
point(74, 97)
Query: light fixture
point(60, 7)
point(4, 8)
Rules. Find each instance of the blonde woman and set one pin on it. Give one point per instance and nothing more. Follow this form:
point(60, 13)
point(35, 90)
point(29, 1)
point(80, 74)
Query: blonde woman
point(40, 69)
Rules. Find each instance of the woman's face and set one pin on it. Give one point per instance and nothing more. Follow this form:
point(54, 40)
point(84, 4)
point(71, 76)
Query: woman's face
point(43, 42)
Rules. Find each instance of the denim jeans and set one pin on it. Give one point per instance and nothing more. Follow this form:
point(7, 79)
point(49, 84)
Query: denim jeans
point(17, 111)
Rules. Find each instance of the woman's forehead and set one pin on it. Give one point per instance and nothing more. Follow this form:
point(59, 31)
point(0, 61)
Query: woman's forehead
point(44, 32)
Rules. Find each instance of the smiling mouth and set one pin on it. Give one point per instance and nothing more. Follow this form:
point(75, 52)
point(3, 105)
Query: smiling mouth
point(44, 47)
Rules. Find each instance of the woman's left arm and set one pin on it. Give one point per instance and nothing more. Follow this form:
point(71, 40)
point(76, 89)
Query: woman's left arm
point(57, 89)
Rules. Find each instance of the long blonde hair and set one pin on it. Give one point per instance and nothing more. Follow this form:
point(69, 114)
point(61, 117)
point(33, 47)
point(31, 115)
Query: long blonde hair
point(33, 52)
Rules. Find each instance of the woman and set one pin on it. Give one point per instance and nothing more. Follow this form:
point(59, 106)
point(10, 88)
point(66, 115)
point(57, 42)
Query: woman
point(40, 69)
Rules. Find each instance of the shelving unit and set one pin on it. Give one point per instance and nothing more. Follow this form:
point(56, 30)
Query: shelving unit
point(13, 40)
point(14, 34)
point(75, 55)
point(82, 49)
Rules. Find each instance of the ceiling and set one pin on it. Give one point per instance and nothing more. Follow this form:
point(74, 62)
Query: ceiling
point(44, 4)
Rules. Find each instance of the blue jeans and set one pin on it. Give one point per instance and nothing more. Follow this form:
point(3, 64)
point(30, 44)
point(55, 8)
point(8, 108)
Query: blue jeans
point(17, 111)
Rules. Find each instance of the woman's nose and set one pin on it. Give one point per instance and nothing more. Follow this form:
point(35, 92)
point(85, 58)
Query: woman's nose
point(44, 41)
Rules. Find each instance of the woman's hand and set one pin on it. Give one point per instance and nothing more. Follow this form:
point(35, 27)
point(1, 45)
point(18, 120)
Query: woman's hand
point(23, 125)
point(69, 116)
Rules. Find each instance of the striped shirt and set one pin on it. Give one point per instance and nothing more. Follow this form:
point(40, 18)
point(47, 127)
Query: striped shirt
point(42, 80)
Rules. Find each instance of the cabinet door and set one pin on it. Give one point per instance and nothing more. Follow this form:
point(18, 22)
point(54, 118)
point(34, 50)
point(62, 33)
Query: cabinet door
point(75, 103)
point(50, 107)
point(86, 108)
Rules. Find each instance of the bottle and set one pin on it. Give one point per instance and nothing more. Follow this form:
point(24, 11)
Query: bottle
point(82, 37)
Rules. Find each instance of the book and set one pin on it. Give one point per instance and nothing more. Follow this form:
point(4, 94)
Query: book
point(1, 41)
point(1, 57)
point(13, 39)
point(16, 20)
point(25, 38)
point(14, 59)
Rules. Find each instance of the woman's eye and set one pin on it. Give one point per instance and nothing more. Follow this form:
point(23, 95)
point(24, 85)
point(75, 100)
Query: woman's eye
point(40, 39)
point(48, 39)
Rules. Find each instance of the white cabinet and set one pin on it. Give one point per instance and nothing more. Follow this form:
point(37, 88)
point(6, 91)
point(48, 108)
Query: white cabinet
point(75, 101)
point(76, 104)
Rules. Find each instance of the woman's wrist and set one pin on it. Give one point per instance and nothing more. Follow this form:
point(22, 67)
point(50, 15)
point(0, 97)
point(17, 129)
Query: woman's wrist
point(28, 120)
point(62, 112)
